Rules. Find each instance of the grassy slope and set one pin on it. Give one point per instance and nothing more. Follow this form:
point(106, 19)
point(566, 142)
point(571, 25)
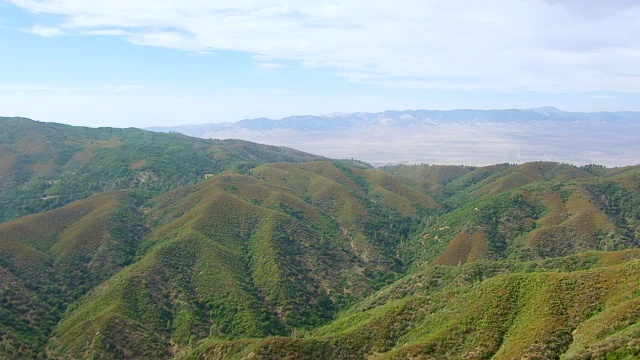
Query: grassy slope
point(581, 306)
point(540, 220)
point(287, 248)
point(250, 245)
point(241, 256)
point(501, 310)
point(457, 185)
point(47, 165)
point(50, 259)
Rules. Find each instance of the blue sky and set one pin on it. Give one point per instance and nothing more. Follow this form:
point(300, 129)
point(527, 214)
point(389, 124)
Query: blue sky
point(146, 63)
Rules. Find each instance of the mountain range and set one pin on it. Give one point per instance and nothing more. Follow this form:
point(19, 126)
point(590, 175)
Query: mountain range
point(125, 243)
point(468, 137)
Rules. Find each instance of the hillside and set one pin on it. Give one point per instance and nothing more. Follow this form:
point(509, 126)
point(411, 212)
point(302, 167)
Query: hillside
point(50, 259)
point(581, 307)
point(498, 279)
point(229, 253)
point(189, 253)
point(498, 218)
point(47, 165)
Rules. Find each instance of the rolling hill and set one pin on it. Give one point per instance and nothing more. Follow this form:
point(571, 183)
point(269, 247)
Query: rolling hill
point(579, 307)
point(242, 251)
point(47, 165)
point(235, 256)
point(51, 259)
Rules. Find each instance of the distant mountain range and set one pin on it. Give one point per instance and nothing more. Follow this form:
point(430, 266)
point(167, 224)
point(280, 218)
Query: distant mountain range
point(471, 137)
point(407, 118)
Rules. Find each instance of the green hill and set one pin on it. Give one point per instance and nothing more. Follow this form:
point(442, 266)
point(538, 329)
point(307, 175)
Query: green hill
point(235, 256)
point(48, 260)
point(141, 245)
point(240, 256)
point(543, 219)
point(581, 307)
point(47, 165)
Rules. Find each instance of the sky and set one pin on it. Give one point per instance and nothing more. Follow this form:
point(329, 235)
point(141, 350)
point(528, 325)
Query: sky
point(148, 63)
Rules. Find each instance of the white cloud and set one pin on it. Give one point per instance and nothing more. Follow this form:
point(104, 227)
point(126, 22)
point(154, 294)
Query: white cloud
point(44, 31)
point(501, 45)
point(269, 66)
point(105, 32)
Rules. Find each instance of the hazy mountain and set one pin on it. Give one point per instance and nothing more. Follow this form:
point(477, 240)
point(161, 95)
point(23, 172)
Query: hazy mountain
point(279, 254)
point(408, 118)
point(470, 137)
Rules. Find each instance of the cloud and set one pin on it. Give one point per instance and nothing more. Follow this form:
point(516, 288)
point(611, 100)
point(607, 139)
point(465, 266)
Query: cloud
point(502, 45)
point(44, 31)
point(268, 66)
point(105, 32)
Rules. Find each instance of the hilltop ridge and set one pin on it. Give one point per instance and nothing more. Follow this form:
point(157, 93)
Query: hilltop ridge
point(46, 165)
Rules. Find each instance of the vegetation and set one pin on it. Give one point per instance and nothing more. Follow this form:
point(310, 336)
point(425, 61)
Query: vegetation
point(46, 165)
point(145, 245)
point(502, 310)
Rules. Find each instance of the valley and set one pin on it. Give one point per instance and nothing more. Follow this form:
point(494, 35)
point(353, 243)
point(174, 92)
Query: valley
point(455, 137)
